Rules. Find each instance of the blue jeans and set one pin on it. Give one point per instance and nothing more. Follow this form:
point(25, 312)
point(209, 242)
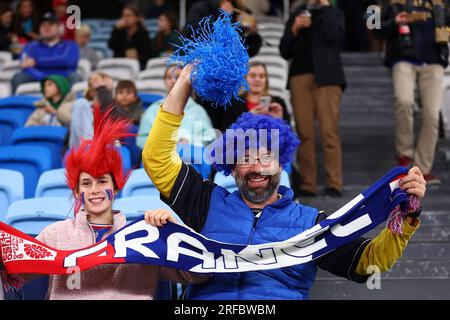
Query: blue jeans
point(22, 77)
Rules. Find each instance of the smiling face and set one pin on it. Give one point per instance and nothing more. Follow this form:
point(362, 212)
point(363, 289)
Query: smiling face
point(257, 175)
point(257, 79)
point(96, 200)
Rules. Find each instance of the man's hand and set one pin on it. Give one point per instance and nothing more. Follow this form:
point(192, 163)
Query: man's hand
point(414, 183)
point(159, 217)
point(28, 63)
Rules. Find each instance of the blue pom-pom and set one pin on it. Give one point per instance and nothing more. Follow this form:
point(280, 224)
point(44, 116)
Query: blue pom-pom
point(219, 57)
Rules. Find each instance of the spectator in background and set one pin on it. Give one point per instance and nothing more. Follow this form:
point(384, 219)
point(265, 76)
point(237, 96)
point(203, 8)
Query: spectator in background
point(7, 36)
point(159, 7)
point(130, 39)
point(206, 8)
point(167, 36)
point(26, 22)
point(55, 109)
point(194, 115)
point(416, 50)
point(126, 102)
point(82, 125)
point(60, 10)
point(47, 56)
point(83, 36)
point(312, 40)
point(257, 7)
point(258, 81)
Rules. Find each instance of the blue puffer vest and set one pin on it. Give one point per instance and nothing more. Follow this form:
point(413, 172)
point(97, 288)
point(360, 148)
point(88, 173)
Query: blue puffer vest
point(231, 220)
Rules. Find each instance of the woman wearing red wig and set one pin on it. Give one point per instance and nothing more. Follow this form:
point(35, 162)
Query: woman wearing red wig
point(94, 173)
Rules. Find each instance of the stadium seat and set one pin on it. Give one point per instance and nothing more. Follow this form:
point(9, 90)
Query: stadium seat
point(229, 183)
point(10, 120)
point(5, 90)
point(126, 158)
point(120, 68)
point(5, 56)
point(52, 183)
point(101, 48)
point(84, 68)
point(29, 89)
point(148, 98)
point(19, 103)
point(193, 155)
point(139, 184)
point(31, 216)
point(49, 137)
point(79, 88)
point(31, 161)
point(130, 144)
point(156, 72)
point(11, 189)
point(134, 207)
point(275, 61)
point(152, 86)
point(156, 62)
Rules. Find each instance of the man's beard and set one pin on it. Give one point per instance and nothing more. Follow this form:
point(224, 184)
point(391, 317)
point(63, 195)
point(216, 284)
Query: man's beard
point(259, 195)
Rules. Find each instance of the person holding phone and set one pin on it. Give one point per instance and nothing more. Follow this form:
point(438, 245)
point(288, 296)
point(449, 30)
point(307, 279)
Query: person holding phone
point(312, 40)
point(256, 100)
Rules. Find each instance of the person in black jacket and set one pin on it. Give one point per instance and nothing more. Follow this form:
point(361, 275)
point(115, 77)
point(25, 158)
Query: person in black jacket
point(205, 8)
point(416, 51)
point(312, 40)
point(6, 32)
point(130, 39)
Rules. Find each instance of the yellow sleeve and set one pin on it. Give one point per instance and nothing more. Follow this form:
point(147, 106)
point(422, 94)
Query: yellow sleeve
point(161, 160)
point(385, 249)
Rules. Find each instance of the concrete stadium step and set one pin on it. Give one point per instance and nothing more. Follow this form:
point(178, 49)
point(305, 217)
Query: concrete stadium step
point(390, 289)
point(358, 59)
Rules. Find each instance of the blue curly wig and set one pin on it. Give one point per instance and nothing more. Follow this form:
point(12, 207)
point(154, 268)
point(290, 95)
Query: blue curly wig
point(219, 57)
point(228, 142)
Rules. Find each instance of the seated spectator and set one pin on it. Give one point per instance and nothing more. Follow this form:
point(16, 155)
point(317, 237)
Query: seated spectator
point(82, 125)
point(7, 36)
point(194, 116)
point(127, 103)
point(26, 22)
point(205, 8)
point(83, 36)
point(130, 39)
point(60, 11)
point(47, 56)
point(159, 7)
point(258, 81)
point(55, 109)
point(167, 36)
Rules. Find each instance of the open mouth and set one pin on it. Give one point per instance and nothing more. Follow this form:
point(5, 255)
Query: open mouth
point(257, 181)
point(97, 200)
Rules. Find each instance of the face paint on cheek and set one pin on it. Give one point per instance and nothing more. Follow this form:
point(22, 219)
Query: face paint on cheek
point(109, 194)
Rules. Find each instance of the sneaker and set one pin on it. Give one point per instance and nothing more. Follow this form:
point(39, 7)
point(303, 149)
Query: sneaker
point(404, 161)
point(333, 192)
point(432, 180)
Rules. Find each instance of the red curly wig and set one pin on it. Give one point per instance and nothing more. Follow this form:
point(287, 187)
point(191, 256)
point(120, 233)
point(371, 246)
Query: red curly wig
point(99, 156)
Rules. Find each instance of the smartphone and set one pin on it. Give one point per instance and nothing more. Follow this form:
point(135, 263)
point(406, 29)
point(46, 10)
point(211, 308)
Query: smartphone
point(266, 101)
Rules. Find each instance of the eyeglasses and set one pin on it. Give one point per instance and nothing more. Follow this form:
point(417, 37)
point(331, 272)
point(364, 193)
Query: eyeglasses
point(265, 160)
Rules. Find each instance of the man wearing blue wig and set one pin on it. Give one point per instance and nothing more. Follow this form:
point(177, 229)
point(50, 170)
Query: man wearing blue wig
point(260, 211)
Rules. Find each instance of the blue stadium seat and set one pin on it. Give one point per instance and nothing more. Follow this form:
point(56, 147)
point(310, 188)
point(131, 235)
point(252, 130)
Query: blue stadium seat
point(19, 103)
point(11, 189)
point(31, 216)
point(10, 120)
point(50, 137)
point(134, 207)
point(29, 160)
point(148, 98)
point(139, 184)
point(53, 184)
point(229, 183)
point(130, 144)
point(193, 155)
point(126, 158)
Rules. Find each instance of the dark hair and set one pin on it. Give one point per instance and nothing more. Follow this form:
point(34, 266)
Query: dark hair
point(173, 20)
point(18, 20)
point(126, 84)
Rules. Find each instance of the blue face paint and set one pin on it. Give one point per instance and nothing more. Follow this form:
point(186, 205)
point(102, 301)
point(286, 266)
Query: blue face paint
point(82, 198)
point(110, 194)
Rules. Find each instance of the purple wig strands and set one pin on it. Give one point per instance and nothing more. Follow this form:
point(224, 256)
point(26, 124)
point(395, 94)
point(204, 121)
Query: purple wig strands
point(219, 57)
